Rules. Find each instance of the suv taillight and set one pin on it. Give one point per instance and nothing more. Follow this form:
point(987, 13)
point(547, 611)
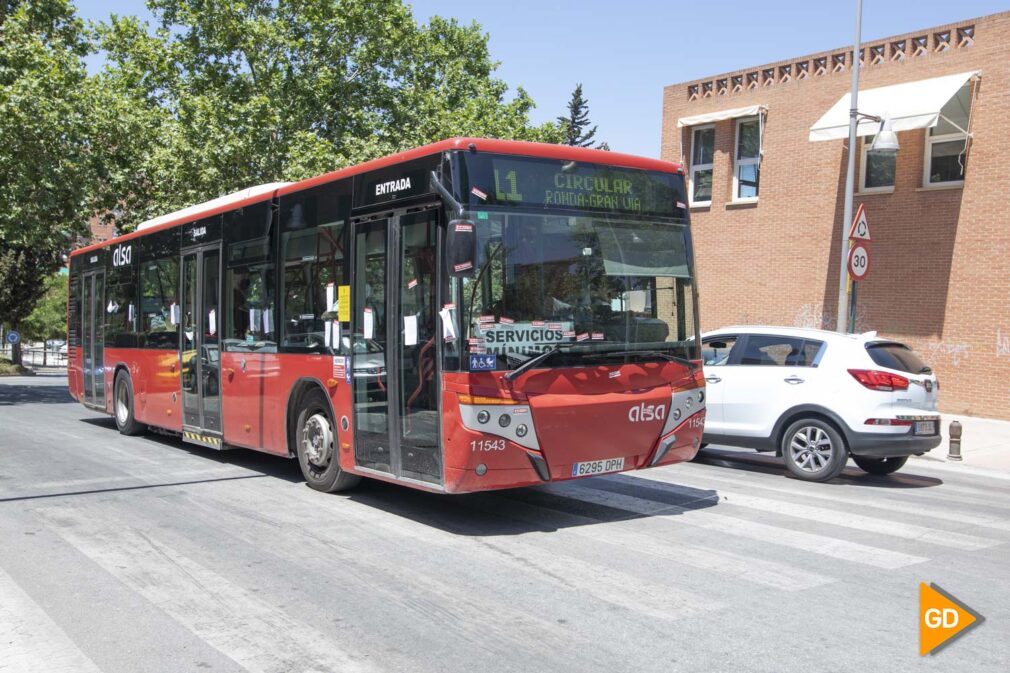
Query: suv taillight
point(877, 380)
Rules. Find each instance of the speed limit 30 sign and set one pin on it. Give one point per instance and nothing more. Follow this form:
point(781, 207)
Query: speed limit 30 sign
point(859, 261)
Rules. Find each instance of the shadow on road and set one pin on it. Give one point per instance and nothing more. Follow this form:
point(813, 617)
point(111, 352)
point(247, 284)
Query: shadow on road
point(28, 394)
point(745, 461)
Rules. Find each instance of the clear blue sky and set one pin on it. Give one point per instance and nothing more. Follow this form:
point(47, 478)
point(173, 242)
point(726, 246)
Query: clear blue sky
point(625, 52)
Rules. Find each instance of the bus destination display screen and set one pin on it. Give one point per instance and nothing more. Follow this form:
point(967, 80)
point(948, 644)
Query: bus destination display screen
point(548, 183)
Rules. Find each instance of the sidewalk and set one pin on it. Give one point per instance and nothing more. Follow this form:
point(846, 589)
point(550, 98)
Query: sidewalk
point(985, 444)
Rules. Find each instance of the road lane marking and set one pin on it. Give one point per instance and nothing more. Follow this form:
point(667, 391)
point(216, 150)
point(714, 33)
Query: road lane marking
point(30, 641)
point(228, 617)
point(809, 542)
point(687, 474)
point(852, 520)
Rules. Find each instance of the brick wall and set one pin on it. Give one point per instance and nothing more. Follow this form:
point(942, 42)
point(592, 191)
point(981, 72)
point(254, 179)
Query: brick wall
point(940, 267)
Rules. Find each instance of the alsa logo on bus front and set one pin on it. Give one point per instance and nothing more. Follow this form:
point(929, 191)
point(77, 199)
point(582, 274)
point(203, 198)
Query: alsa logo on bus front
point(392, 186)
point(122, 255)
point(643, 412)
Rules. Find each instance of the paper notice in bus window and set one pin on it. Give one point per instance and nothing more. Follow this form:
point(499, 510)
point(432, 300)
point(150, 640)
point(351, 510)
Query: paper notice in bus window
point(448, 324)
point(369, 323)
point(174, 314)
point(129, 313)
point(331, 296)
point(636, 300)
point(344, 301)
point(268, 321)
point(212, 322)
point(254, 319)
point(410, 330)
point(332, 334)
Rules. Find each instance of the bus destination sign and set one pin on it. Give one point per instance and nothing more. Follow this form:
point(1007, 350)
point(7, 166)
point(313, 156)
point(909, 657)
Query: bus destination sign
point(501, 180)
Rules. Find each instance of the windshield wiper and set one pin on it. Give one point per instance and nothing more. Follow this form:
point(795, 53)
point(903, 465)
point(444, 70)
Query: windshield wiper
point(532, 362)
point(661, 354)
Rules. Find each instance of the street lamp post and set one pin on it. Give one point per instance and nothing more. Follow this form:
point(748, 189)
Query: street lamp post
point(843, 325)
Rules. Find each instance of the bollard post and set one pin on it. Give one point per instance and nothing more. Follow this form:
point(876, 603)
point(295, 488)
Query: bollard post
point(954, 447)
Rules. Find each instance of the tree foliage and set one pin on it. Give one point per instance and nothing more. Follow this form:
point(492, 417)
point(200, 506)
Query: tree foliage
point(237, 94)
point(575, 125)
point(49, 318)
point(21, 271)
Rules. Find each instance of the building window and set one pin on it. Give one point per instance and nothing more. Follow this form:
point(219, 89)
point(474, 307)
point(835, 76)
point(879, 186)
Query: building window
point(945, 160)
point(747, 159)
point(877, 169)
point(702, 150)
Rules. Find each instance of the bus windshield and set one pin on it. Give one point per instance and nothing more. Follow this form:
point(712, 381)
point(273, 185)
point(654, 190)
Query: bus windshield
point(606, 288)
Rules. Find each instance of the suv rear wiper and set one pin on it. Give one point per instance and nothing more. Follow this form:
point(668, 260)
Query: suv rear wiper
point(532, 362)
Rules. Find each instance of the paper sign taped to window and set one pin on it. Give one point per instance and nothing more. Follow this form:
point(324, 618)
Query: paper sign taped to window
point(448, 324)
point(268, 321)
point(410, 330)
point(344, 301)
point(174, 314)
point(212, 322)
point(522, 337)
point(369, 323)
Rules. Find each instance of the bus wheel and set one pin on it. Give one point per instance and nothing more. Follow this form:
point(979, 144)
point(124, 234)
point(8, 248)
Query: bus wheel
point(123, 406)
point(316, 445)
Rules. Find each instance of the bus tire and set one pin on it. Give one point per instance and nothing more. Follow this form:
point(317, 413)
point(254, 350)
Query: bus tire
point(316, 446)
point(122, 406)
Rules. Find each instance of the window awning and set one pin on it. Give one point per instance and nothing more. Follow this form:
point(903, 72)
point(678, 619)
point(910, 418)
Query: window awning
point(912, 105)
point(719, 116)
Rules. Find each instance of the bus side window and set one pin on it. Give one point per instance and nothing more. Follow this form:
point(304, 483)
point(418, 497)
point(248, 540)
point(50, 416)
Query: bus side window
point(159, 305)
point(250, 321)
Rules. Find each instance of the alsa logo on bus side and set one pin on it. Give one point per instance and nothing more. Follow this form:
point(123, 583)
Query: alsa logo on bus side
point(392, 186)
point(646, 412)
point(122, 255)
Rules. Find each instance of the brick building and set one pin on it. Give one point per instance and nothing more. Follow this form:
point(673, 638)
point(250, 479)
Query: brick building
point(767, 197)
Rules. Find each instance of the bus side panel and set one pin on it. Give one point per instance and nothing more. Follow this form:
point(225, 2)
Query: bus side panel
point(155, 376)
point(75, 372)
point(258, 398)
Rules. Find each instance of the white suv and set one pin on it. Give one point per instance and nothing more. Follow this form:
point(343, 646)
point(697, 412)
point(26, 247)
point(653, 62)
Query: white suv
point(815, 397)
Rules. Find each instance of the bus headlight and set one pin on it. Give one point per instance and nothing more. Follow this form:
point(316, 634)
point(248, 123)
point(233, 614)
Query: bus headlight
point(483, 416)
point(521, 430)
point(504, 420)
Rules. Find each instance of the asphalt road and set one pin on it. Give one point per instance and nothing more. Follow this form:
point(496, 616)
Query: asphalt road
point(146, 555)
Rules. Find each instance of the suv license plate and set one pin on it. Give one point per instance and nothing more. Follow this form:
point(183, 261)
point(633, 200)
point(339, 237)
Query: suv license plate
point(925, 427)
point(592, 467)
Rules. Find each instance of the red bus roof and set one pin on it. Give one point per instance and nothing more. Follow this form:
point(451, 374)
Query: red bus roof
point(545, 150)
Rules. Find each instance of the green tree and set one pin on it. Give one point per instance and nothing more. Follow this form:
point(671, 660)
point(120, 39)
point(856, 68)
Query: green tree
point(66, 146)
point(49, 318)
point(21, 271)
point(236, 94)
point(575, 125)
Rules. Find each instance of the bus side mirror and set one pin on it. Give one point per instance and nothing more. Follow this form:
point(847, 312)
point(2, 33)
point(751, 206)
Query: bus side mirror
point(461, 248)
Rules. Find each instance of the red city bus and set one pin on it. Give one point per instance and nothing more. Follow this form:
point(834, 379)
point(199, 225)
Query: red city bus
point(469, 315)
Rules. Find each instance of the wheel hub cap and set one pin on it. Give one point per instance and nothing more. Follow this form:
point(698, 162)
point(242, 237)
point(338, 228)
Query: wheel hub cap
point(811, 449)
point(317, 440)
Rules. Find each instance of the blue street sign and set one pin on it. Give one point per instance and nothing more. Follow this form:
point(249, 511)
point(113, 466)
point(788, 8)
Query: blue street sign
point(13, 337)
point(483, 363)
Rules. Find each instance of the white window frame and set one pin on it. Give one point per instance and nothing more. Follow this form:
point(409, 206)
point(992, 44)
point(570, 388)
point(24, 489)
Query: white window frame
point(927, 159)
point(737, 162)
point(702, 167)
point(864, 158)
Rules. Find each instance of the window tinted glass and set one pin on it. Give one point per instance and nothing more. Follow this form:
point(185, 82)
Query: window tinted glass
point(159, 306)
point(121, 309)
point(947, 161)
point(807, 356)
point(880, 167)
point(749, 140)
point(704, 141)
point(250, 322)
point(715, 351)
point(771, 350)
point(897, 356)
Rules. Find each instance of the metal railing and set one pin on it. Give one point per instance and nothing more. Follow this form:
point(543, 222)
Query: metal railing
point(33, 356)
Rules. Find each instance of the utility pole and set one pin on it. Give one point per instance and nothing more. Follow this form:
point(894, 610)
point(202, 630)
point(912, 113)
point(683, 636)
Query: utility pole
point(843, 324)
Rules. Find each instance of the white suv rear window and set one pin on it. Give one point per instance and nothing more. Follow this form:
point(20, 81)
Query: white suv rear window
point(897, 356)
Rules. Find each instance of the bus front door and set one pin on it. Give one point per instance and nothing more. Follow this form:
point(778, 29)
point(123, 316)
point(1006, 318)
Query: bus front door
point(93, 338)
point(395, 349)
point(199, 348)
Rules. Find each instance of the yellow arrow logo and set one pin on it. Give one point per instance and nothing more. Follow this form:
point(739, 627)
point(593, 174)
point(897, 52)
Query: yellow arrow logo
point(942, 619)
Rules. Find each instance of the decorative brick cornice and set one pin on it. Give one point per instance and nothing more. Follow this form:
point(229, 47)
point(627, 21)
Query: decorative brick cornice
point(876, 54)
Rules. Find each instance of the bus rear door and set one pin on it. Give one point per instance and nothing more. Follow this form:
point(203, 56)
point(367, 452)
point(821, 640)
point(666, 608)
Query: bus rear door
point(199, 346)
